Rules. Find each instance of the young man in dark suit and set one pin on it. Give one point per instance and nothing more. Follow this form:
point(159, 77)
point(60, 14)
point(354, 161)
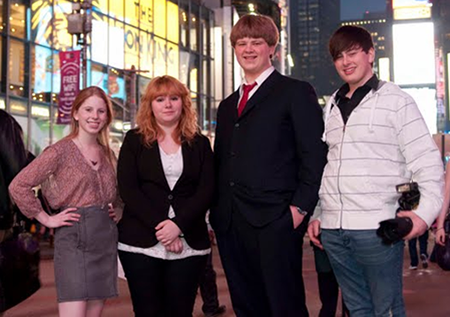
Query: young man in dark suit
point(269, 159)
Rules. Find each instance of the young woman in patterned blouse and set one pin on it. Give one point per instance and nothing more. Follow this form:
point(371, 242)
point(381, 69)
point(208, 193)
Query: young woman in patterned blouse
point(77, 175)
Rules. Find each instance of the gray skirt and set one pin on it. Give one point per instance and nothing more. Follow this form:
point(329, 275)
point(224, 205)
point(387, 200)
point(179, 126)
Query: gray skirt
point(86, 257)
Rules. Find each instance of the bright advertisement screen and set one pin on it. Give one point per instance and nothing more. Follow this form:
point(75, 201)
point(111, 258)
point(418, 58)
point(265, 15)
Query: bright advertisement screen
point(426, 101)
point(414, 60)
point(409, 3)
point(411, 9)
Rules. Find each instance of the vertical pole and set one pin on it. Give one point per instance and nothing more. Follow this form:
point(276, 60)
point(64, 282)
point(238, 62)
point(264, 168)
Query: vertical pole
point(133, 79)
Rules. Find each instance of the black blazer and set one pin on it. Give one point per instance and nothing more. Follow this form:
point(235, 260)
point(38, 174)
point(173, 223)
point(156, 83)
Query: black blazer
point(147, 196)
point(270, 157)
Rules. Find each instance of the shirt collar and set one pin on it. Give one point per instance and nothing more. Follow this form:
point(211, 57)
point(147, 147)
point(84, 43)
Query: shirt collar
point(372, 83)
point(261, 78)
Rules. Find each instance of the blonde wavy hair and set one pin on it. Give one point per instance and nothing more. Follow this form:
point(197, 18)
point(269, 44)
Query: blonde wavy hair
point(103, 135)
point(166, 86)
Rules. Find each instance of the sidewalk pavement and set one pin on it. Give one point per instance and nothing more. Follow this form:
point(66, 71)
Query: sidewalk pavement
point(426, 291)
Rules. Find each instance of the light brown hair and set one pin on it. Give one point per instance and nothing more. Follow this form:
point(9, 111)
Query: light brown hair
point(255, 26)
point(103, 135)
point(166, 86)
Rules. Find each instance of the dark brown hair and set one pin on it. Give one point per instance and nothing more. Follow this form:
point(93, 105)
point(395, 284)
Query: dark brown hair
point(348, 37)
point(255, 26)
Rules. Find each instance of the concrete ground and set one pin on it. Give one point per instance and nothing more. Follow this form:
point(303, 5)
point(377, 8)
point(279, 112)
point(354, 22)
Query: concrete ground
point(426, 292)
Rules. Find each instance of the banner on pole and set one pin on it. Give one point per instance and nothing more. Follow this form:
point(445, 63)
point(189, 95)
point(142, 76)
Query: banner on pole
point(70, 84)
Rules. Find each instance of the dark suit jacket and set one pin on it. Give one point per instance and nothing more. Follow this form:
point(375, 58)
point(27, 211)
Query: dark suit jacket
point(147, 196)
point(270, 157)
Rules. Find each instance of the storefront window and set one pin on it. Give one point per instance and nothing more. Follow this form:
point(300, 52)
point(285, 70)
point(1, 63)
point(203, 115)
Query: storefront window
point(116, 44)
point(99, 76)
point(132, 46)
point(116, 9)
point(193, 73)
point(205, 114)
point(132, 12)
point(204, 30)
point(18, 107)
point(159, 7)
point(173, 64)
point(16, 69)
point(184, 27)
point(146, 53)
point(146, 15)
point(59, 130)
point(160, 56)
point(205, 72)
point(172, 20)
point(184, 66)
point(41, 16)
point(116, 85)
point(56, 76)
point(99, 37)
point(142, 83)
point(193, 33)
point(41, 73)
point(40, 128)
point(17, 19)
point(22, 120)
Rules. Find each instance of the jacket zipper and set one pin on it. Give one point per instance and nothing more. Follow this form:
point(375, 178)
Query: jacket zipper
point(339, 176)
point(340, 158)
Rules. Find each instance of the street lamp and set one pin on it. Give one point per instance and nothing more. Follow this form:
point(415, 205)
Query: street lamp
point(80, 25)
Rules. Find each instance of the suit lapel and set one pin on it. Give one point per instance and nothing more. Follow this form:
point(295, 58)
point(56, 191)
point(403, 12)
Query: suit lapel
point(234, 105)
point(266, 88)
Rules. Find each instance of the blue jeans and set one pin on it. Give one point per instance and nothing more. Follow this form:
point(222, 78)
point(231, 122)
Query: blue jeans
point(423, 246)
point(368, 272)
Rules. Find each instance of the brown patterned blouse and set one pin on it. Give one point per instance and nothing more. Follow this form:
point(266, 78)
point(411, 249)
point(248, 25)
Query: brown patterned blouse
point(67, 180)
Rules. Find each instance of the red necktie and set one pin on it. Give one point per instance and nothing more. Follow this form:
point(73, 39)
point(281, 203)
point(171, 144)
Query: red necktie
point(247, 89)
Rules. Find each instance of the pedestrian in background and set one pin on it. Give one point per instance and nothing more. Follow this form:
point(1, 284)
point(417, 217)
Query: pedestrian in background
point(13, 157)
point(423, 247)
point(377, 139)
point(440, 230)
point(77, 176)
point(269, 162)
point(166, 180)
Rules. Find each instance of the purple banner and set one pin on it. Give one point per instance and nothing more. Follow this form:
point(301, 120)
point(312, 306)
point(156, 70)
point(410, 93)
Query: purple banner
point(70, 84)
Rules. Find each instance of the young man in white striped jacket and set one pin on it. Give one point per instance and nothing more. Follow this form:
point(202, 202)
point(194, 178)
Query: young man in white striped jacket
point(377, 139)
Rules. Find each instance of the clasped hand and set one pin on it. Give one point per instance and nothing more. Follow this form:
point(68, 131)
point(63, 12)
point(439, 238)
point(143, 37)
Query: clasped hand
point(167, 232)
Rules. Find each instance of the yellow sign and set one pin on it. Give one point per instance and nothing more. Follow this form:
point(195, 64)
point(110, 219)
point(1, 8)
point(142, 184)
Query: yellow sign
point(411, 9)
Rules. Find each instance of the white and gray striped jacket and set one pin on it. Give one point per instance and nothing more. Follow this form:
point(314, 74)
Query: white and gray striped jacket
point(384, 143)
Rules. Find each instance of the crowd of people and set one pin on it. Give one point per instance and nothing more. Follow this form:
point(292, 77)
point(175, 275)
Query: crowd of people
point(275, 153)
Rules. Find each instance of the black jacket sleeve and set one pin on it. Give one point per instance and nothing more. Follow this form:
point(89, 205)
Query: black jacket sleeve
point(196, 205)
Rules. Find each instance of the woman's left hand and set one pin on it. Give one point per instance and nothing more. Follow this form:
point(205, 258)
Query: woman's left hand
point(114, 213)
point(167, 231)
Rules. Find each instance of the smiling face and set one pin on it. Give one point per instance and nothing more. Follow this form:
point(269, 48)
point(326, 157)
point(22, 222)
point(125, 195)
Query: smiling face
point(92, 115)
point(167, 110)
point(354, 66)
point(254, 56)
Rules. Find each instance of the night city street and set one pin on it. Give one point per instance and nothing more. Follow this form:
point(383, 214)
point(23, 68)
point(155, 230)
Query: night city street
point(426, 292)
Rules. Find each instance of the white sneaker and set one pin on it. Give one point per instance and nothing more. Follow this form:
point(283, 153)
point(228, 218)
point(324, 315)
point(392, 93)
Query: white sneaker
point(412, 267)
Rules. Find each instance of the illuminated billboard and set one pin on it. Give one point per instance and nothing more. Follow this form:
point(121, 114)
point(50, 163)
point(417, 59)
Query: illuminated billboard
point(414, 58)
point(411, 9)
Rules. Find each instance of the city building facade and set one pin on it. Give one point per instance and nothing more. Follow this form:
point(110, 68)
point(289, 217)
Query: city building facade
point(312, 22)
point(155, 37)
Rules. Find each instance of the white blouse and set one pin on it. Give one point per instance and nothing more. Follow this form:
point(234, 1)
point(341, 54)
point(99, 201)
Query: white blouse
point(173, 168)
